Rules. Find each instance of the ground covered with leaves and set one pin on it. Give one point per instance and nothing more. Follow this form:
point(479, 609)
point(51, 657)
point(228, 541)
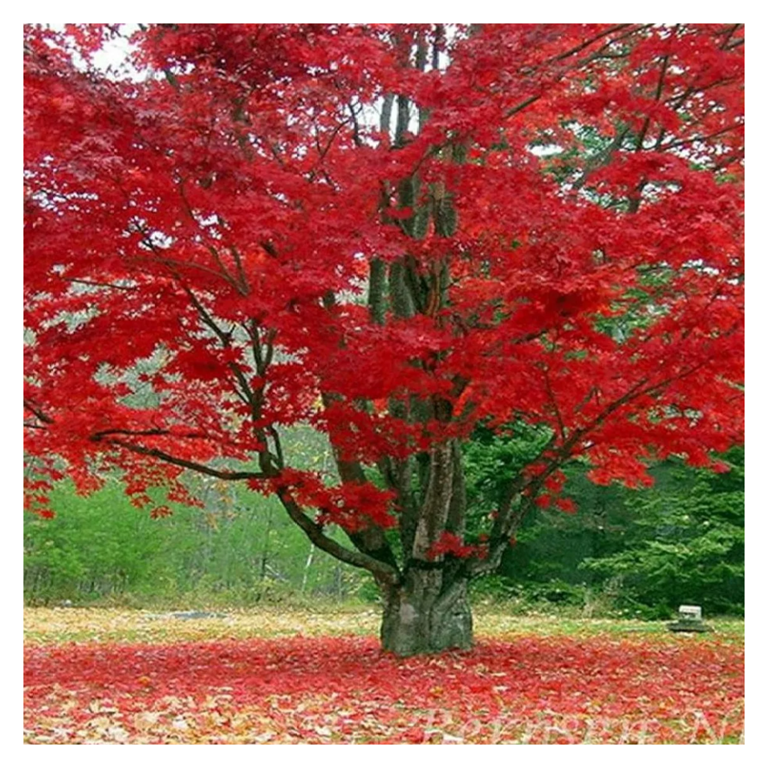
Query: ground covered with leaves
point(96, 676)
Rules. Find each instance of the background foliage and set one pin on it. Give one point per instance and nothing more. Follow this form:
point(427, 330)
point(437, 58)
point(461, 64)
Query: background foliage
point(633, 552)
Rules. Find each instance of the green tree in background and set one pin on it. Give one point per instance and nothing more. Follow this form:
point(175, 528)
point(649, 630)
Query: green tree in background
point(643, 552)
point(237, 550)
point(684, 543)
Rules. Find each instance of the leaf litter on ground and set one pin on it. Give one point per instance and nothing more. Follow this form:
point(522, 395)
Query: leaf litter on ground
point(111, 676)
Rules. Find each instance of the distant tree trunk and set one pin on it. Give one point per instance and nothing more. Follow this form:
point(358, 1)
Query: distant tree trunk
point(265, 548)
point(338, 582)
point(307, 566)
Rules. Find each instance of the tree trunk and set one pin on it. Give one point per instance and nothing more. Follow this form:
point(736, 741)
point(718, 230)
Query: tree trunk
point(428, 611)
point(420, 617)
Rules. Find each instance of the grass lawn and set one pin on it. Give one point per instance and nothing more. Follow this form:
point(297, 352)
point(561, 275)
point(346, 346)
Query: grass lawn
point(287, 676)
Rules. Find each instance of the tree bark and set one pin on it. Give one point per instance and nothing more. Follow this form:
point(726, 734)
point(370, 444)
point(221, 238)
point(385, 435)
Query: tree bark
point(422, 617)
point(428, 610)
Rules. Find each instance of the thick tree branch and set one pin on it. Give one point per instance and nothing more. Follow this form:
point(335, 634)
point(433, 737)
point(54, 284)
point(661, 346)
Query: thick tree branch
point(204, 469)
point(370, 539)
point(384, 572)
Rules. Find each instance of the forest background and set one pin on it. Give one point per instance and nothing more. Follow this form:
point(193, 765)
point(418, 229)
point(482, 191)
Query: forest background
point(635, 553)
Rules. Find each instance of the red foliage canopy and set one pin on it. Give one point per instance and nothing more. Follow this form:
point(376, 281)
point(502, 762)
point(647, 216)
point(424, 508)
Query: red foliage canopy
point(392, 233)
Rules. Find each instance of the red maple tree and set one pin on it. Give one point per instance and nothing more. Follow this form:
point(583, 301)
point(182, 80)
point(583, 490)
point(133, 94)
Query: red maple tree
point(394, 234)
